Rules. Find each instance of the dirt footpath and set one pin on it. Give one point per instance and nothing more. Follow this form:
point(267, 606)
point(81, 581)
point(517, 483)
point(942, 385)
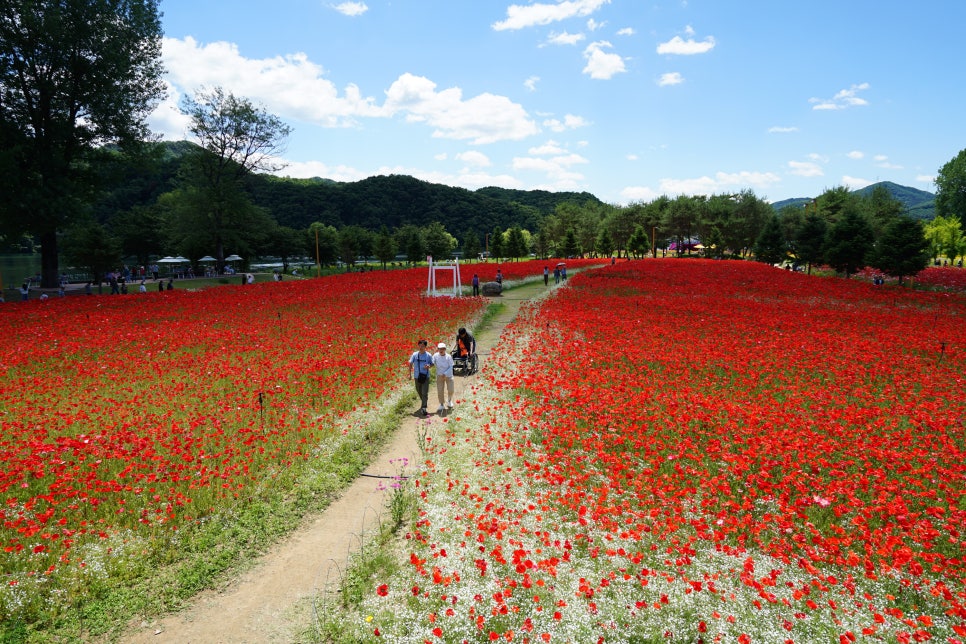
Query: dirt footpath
point(273, 601)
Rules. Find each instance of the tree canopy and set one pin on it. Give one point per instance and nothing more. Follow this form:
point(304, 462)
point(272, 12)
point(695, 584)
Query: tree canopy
point(951, 189)
point(74, 75)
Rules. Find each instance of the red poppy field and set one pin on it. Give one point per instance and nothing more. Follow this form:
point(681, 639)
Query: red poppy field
point(699, 451)
point(127, 419)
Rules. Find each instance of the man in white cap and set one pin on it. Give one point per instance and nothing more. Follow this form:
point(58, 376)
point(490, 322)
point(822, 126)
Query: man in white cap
point(444, 376)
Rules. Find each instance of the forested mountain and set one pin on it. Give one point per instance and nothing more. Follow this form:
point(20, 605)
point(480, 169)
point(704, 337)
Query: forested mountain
point(919, 203)
point(393, 201)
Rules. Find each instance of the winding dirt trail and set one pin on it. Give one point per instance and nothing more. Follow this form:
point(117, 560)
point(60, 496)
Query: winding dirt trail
point(273, 601)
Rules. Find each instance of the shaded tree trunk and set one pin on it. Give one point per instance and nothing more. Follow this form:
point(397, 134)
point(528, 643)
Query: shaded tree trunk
point(49, 267)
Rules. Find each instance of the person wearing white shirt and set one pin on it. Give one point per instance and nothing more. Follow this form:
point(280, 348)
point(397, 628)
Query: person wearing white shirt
point(444, 377)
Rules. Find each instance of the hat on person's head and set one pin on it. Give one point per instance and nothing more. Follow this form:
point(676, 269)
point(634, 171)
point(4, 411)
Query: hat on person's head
point(441, 345)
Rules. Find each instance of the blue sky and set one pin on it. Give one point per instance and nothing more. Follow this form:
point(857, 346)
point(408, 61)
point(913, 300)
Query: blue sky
point(626, 99)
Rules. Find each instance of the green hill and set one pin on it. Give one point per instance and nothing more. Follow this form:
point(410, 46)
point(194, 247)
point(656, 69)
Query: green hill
point(919, 203)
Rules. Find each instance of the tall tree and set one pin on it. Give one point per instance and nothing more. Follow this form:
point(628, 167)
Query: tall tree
point(516, 242)
point(322, 243)
point(951, 189)
point(496, 243)
point(770, 247)
point(810, 239)
point(439, 243)
point(849, 241)
point(902, 249)
point(236, 138)
point(471, 245)
point(945, 237)
point(91, 247)
point(411, 240)
point(74, 75)
point(384, 246)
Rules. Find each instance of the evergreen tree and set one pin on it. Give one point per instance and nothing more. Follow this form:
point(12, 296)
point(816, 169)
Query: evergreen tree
point(902, 250)
point(810, 240)
point(516, 244)
point(849, 242)
point(604, 245)
point(639, 244)
point(471, 245)
point(384, 246)
point(496, 243)
point(571, 248)
point(770, 247)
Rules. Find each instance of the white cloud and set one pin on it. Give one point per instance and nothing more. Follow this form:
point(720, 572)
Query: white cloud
point(855, 183)
point(570, 122)
point(843, 99)
point(485, 118)
point(721, 182)
point(474, 158)
point(780, 129)
point(593, 25)
point(442, 156)
point(882, 161)
point(309, 169)
point(167, 119)
point(626, 31)
point(291, 86)
point(351, 8)
point(639, 193)
point(680, 47)
point(855, 154)
point(564, 38)
point(294, 88)
point(549, 148)
point(670, 78)
point(531, 83)
point(632, 157)
point(805, 169)
point(601, 64)
point(556, 168)
point(926, 178)
point(531, 15)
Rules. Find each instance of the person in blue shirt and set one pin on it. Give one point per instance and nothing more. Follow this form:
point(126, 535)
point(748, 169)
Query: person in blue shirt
point(419, 365)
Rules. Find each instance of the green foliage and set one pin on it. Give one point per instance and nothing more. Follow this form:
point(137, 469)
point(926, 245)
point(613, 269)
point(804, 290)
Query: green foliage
point(384, 246)
point(471, 245)
point(810, 239)
point(945, 237)
point(91, 247)
point(439, 243)
point(496, 243)
point(58, 60)
point(902, 249)
point(212, 211)
point(771, 247)
point(516, 243)
point(849, 240)
point(951, 188)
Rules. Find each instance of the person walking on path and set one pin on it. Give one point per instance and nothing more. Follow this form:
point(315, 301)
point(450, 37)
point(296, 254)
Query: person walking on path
point(556, 275)
point(444, 377)
point(476, 284)
point(419, 364)
point(546, 276)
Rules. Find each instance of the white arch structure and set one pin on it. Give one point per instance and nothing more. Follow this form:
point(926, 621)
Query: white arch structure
point(431, 284)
